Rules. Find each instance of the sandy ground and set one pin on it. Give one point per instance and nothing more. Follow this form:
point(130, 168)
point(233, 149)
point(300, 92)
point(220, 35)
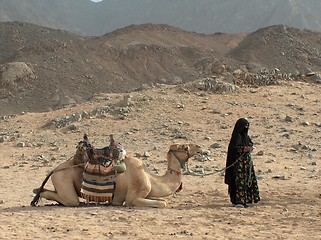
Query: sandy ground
point(287, 162)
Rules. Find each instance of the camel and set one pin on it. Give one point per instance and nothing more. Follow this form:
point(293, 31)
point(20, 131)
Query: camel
point(141, 188)
point(136, 186)
point(67, 177)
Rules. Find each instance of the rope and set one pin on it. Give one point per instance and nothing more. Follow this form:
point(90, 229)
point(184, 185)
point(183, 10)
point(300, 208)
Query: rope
point(249, 183)
point(189, 172)
point(73, 166)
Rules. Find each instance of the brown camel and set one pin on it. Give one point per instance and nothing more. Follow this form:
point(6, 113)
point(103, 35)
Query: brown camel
point(67, 177)
point(138, 187)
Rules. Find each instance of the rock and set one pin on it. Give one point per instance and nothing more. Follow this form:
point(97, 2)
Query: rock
point(215, 85)
point(217, 111)
point(216, 145)
point(21, 144)
point(288, 119)
point(146, 154)
point(12, 74)
point(260, 153)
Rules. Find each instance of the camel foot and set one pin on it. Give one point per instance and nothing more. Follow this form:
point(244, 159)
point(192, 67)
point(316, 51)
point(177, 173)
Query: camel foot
point(36, 190)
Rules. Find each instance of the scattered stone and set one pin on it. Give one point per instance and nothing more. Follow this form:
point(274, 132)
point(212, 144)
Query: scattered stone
point(72, 127)
point(217, 111)
point(199, 169)
point(21, 144)
point(216, 145)
point(126, 101)
point(260, 153)
point(28, 144)
point(288, 119)
point(206, 152)
point(146, 154)
point(216, 85)
point(310, 156)
point(282, 177)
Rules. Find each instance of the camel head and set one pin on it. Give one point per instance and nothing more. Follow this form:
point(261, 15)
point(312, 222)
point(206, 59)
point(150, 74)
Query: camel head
point(182, 152)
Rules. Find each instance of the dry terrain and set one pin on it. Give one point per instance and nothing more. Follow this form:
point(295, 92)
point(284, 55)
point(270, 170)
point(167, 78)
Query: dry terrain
point(285, 127)
point(43, 69)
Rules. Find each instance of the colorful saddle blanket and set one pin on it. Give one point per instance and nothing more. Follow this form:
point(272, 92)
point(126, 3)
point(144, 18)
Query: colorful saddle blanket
point(98, 183)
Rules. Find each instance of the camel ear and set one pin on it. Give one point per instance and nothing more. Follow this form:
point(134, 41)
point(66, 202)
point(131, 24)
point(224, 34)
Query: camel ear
point(186, 148)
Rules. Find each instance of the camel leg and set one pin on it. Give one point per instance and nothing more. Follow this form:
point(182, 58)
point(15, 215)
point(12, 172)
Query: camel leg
point(139, 199)
point(65, 192)
point(37, 189)
point(143, 202)
point(117, 201)
point(71, 200)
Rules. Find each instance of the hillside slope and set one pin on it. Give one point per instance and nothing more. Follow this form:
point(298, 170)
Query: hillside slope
point(62, 68)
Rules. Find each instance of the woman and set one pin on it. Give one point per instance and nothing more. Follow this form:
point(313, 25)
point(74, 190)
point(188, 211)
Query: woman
point(239, 174)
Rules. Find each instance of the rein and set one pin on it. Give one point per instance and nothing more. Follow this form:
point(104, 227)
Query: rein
point(189, 172)
point(73, 166)
point(182, 164)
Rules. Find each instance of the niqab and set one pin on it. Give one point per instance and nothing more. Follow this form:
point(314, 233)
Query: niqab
point(239, 137)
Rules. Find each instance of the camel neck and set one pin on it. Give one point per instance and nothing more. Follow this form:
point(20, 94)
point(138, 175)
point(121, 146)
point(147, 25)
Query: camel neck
point(78, 159)
point(178, 173)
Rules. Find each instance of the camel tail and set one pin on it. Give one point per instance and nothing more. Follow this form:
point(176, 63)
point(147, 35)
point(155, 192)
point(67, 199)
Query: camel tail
point(36, 198)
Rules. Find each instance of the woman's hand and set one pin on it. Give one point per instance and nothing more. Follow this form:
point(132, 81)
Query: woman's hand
point(248, 149)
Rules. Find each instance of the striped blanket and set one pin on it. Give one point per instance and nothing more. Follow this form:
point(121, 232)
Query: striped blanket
point(98, 183)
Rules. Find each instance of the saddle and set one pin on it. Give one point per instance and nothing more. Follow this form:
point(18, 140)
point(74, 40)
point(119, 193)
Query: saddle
point(98, 182)
point(99, 173)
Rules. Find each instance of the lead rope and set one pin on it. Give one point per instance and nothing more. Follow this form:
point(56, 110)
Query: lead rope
point(189, 172)
point(249, 182)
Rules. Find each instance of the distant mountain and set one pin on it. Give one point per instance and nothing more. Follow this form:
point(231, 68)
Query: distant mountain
point(206, 16)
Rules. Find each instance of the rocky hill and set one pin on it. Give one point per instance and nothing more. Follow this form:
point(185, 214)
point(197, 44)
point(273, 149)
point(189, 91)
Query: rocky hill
point(44, 69)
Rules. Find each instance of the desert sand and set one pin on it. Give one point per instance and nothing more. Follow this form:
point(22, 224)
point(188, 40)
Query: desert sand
point(285, 128)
